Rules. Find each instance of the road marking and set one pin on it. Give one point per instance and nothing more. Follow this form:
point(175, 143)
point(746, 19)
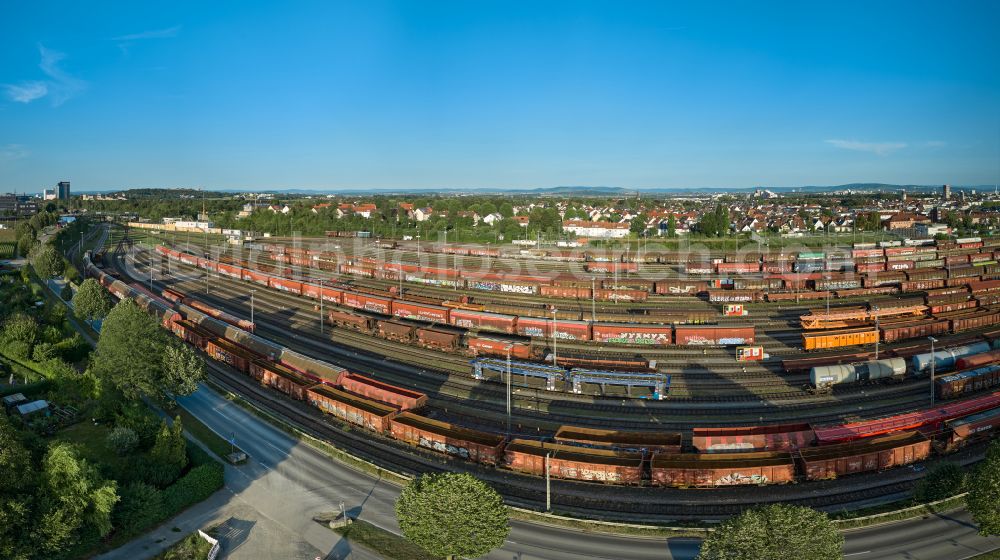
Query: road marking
point(858, 553)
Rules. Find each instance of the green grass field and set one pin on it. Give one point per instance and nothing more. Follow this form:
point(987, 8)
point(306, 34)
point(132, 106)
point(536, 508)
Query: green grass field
point(7, 243)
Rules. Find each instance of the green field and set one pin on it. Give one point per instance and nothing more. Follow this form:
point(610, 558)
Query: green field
point(7, 243)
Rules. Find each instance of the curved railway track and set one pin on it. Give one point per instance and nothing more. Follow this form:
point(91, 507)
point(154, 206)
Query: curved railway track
point(540, 409)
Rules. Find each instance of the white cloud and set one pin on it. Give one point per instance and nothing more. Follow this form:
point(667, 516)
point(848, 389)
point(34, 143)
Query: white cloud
point(877, 148)
point(155, 34)
point(12, 152)
point(26, 92)
point(62, 86)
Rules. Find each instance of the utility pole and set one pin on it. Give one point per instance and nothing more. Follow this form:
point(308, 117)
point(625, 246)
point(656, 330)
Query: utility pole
point(593, 299)
point(321, 307)
point(548, 487)
point(933, 363)
point(878, 336)
point(251, 304)
point(508, 391)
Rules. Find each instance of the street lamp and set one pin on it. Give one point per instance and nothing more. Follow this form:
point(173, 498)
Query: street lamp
point(593, 299)
point(555, 329)
point(320, 306)
point(509, 346)
point(878, 337)
point(252, 292)
point(933, 363)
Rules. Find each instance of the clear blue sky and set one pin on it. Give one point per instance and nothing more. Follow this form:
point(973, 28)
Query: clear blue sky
point(427, 94)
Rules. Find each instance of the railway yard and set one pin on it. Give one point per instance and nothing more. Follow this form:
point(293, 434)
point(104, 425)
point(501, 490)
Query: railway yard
point(633, 375)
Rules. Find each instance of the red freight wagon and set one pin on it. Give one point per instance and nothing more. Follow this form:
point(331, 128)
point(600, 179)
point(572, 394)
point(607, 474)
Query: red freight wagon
point(913, 329)
point(899, 265)
point(282, 378)
point(543, 327)
point(984, 286)
point(876, 454)
point(731, 296)
point(777, 267)
point(712, 336)
point(894, 251)
point(191, 333)
point(359, 322)
point(722, 469)
point(367, 302)
point(753, 438)
point(609, 268)
point(392, 330)
point(220, 315)
point(737, 268)
point(355, 409)
point(405, 399)
point(949, 306)
point(432, 338)
point(254, 276)
point(565, 292)
point(860, 253)
point(331, 295)
point(796, 296)
point(471, 445)
point(290, 286)
point(481, 320)
point(975, 321)
point(420, 311)
point(493, 347)
point(224, 351)
point(207, 264)
point(621, 333)
point(699, 268)
point(875, 280)
point(189, 259)
point(231, 271)
point(921, 285)
point(968, 381)
point(870, 267)
point(620, 295)
point(172, 295)
point(574, 463)
point(981, 425)
point(633, 441)
point(679, 287)
point(976, 360)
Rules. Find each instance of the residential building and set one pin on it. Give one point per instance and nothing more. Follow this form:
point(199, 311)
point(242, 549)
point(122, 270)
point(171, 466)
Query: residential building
point(596, 229)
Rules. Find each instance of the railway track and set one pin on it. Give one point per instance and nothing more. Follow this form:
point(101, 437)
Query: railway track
point(540, 409)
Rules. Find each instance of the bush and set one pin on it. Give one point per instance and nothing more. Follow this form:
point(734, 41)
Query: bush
point(43, 351)
point(198, 484)
point(197, 456)
point(141, 505)
point(17, 349)
point(943, 481)
point(123, 440)
point(66, 293)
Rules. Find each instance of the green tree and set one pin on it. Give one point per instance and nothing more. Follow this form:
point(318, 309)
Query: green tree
point(24, 244)
point(20, 332)
point(983, 499)
point(129, 352)
point(123, 440)
point(46, 260)
point(943, 481)
point(672, 226)
point(169, 453)
point(141, 505)
point(638, 224)
point(452, 514)
point(774, 532)
point(15, 495)
point(183, 369)
point(506, 210)
point(73, 495)
point(66, 294)
point(91, 301)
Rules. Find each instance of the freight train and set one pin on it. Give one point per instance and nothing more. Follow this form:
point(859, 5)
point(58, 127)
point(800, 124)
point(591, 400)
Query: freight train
point(769, 455)
point(470, 318)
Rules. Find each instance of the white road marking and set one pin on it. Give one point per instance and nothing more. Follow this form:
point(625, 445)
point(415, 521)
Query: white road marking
point(858, 553)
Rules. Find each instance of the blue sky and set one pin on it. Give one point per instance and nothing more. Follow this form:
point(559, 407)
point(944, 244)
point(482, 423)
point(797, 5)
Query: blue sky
point(373, 94)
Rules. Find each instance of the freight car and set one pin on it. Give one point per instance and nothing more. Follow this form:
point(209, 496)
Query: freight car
point(752, 438)
point(629, 441)
point(967, 381)
point(824, 377)
point(722, 469)
point(574, 462)
point(875, 454)
point(839, 338)
point(471, 445)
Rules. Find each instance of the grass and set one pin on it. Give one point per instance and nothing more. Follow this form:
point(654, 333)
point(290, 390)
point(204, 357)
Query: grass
point(896, 514)
point(203, 433)
point(993, 555)
point(192, 547)
point(92, 441)
point(385, 543)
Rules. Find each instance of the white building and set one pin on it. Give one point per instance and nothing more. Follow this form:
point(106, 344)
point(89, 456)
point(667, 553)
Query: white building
point(584, 228)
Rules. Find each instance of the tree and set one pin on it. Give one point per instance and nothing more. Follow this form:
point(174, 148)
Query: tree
point(141, 505)
point(452, 514)
point(123, 440)
point(129, 351)
point(943, 481)
point(983, 500)
point(672, 226)
point(66, 293)
point(169, 453)
point(24, 244)
point(506, 210)
point(15, 494)
point(638, 224)
point(20, 332)
point(183, 370)
point(73, 495)
point(46, 260)
point(91, 301)
point(774, 532)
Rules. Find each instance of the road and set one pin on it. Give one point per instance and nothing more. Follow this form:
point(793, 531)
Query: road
point(310, 483)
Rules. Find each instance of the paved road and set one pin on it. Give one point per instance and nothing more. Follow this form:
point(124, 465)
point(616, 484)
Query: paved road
point(310, 482)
